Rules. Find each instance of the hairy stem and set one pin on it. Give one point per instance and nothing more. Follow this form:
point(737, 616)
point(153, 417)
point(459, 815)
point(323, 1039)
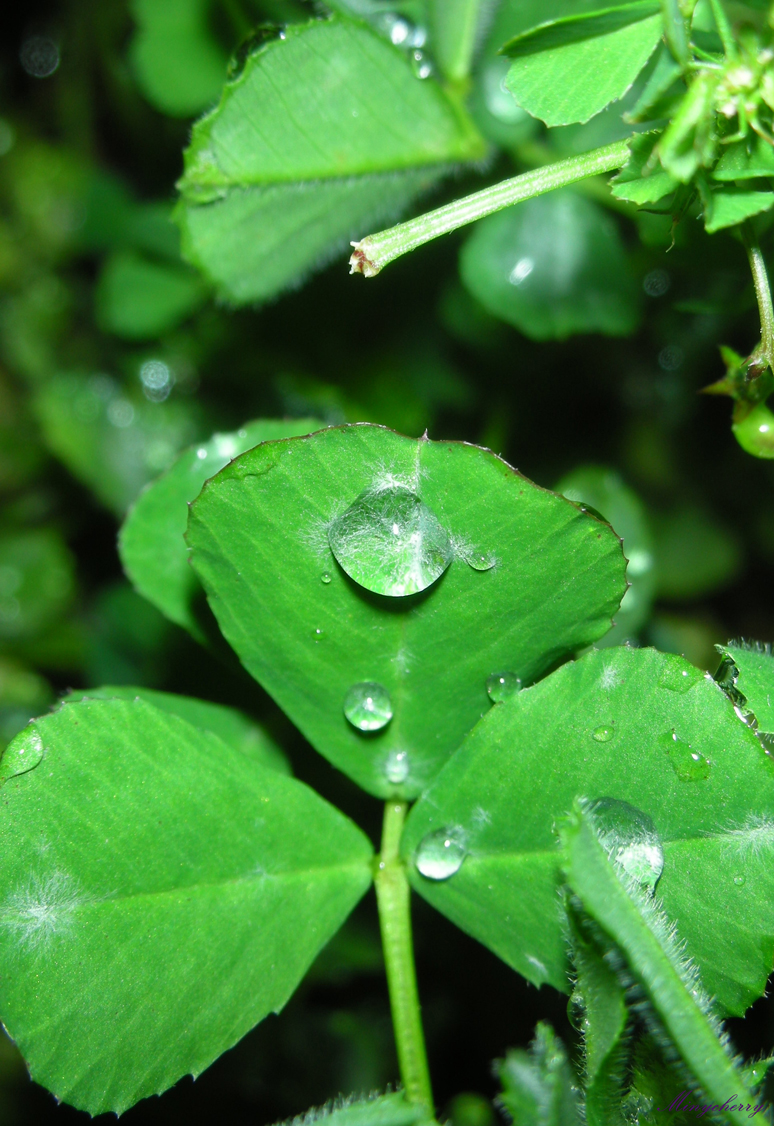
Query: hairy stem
point(373, 253)
point(760, 276)
point(393, 898)
point(453, 24)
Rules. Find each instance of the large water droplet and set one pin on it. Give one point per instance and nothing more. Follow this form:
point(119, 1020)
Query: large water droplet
point(368, 706)
point(501, 685)
point(677, 679)
point(631, 839)
point(325, 577)
point(440, 854)
point(689, 765)
point(604, 733)
point(22, 754)
point(396, 768)
point(390, 542)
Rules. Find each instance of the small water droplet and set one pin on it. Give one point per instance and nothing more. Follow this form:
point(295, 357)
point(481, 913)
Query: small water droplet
point(325, 576)
point(480, 560)
point(397, 767)
point(440, 854)
point(739, 881)
point(604, 733)
point(22, 754)
point(501, 685)
point(368, 706)
point(630, 838)
point(318, 634)
point(389, 542)
point(689, 765)
point(677, 678)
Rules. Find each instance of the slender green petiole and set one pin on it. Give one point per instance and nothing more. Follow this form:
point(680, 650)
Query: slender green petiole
point(725, 30)
point(393, 897)
point(762, 293)
point(373, 253)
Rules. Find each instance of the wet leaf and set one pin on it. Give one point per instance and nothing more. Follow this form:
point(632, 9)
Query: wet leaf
point(619, 723)
point(532, 579)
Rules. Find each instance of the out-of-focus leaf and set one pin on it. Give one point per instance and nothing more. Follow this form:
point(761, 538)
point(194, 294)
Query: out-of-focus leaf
point(151, 543)
point(279, 177)
point(551, 267)
point(538, 1085)
point(230, 725)
point(579, 26)
point(494, 108)
point(126, 639)
point(23, 694)
point(140, 299)
point(695, 554)
point(745, 160)
point(606, 492)
point(37, 581)
point(111, 442)
point(179, 65)
point(728, 206)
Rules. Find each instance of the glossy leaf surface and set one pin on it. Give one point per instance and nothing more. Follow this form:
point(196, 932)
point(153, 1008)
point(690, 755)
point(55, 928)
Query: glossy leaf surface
point(552, 266)
point(150, 872)
point(151, 544)
point(325, 133)
point(605, 726)
point(232, 726)
point(531, 580)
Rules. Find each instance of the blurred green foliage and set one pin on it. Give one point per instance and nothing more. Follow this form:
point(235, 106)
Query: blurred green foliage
point(583, 370)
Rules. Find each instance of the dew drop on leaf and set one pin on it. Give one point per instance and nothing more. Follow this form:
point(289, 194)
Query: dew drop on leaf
point(679, 679)
point(604, 733)
point(501, 685)
point(397, 767)
point(630, 838)
point(318, 634)
point(368, 706)
point(325, 577)
point(739, 881)
point(689, 765)
point(21, 755)
point(480, 560)
point(390, 542)
point(440, 854)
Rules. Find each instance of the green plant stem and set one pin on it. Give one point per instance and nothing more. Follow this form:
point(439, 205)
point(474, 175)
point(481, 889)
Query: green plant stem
point(373, 253)
point(453, 24)
point(725, 30)
point(760, 275)
point(393, 897)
